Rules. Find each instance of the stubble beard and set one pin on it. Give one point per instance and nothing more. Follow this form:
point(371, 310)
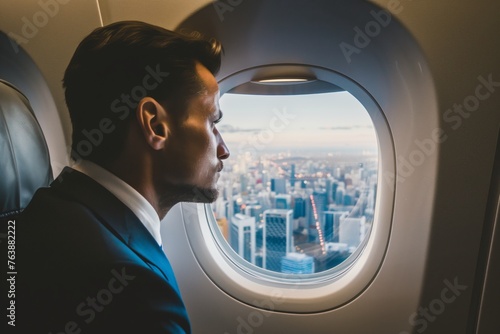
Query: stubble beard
point(187, 193)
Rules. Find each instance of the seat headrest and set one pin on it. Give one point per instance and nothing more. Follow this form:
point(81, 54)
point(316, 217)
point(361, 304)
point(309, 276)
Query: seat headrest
point(25, 163)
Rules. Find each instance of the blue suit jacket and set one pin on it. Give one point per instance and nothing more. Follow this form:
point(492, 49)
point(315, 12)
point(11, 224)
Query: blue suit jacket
point(86, 264)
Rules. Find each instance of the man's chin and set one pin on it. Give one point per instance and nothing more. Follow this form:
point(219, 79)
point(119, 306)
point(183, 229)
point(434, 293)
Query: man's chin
point(204, 195)
point(188, 193)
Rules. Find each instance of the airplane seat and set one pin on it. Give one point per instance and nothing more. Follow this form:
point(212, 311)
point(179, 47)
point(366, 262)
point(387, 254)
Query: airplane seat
point(25, 164)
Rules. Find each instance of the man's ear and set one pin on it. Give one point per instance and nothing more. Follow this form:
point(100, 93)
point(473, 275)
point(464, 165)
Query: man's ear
point(152, 119)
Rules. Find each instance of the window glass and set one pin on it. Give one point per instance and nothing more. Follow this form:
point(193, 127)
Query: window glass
point(298, 193)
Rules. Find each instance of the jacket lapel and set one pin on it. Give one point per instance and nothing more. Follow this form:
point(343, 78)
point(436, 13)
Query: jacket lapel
point(116, 216)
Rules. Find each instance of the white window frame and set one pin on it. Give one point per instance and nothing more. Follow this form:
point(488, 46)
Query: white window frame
point(305, 293)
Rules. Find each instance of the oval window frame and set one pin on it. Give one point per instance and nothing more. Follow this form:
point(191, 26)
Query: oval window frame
point(310, 293)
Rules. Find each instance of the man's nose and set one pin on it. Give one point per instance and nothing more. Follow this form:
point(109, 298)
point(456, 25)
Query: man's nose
point(222, 150)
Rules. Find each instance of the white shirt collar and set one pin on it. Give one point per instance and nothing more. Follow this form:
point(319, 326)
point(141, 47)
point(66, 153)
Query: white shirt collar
point(125, 193)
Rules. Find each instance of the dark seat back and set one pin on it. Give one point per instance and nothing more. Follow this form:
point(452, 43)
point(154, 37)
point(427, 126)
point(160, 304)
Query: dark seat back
point(24, 163)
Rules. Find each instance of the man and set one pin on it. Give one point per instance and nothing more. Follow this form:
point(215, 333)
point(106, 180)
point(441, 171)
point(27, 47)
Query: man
point(144, 107)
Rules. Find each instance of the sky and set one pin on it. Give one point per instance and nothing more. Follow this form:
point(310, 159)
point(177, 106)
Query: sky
point(316, 121)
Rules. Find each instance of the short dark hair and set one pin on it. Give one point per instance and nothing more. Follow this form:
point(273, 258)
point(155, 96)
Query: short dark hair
point(116, 66)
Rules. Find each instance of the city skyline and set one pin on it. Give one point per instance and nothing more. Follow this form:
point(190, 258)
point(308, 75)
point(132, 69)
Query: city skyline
point(298, 191)
point(331, 206)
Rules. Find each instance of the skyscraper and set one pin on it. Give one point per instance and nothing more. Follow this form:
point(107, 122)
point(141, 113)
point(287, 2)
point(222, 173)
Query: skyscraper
point(299, 207)
point(348, 200)
point(297, 263)
point(278, 186)
point(352, 231)
point(254, 210)
point(332, 221)
point(264, 199)
point(283, 201)
point(242, 236)
point(339, 195)
point(335, 185)
point(292, 175)
point(243, 183)
point(278, 237)
point(328, 188)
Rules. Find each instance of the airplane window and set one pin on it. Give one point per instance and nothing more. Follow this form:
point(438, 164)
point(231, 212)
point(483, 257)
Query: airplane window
point(298, 193)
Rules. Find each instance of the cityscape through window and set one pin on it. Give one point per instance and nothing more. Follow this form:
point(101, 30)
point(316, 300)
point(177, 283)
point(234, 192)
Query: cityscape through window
point(298, 193)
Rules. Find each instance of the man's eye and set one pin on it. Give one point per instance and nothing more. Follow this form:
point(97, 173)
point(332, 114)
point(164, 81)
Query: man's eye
point(218, 119)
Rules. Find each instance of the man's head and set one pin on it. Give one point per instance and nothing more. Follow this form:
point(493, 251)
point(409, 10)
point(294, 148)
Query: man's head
point(143, 95)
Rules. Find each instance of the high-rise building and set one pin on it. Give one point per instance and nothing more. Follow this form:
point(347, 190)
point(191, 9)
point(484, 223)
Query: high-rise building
point(265, 177)
point(264, 199)
point(242, 236)
point(328, 188)
point(299, 207)
point(278, 186)
point(259, 242)
point(352, 231)
point(236, 206)
point(292, 175)
point(277, 237)
point(297, 263)
point(335, 185)
point(321, 198)
point(254, 210)
point(339, 195)
point(283, 201)
point(338, 173)
point(243, 183)
point(348, 200)
point(332, 221)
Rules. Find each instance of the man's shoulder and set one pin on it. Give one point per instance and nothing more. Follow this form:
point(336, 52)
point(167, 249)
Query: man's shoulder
point(69, 197)
point(56, 217)
point(52, 210)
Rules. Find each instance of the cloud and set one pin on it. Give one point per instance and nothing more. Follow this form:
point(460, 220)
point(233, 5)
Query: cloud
point(227, 128)
point(345, 128)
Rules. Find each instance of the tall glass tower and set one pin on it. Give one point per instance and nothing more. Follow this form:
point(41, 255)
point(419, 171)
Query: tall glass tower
point(297, 263)
point(242, 236)
point(278, 237)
